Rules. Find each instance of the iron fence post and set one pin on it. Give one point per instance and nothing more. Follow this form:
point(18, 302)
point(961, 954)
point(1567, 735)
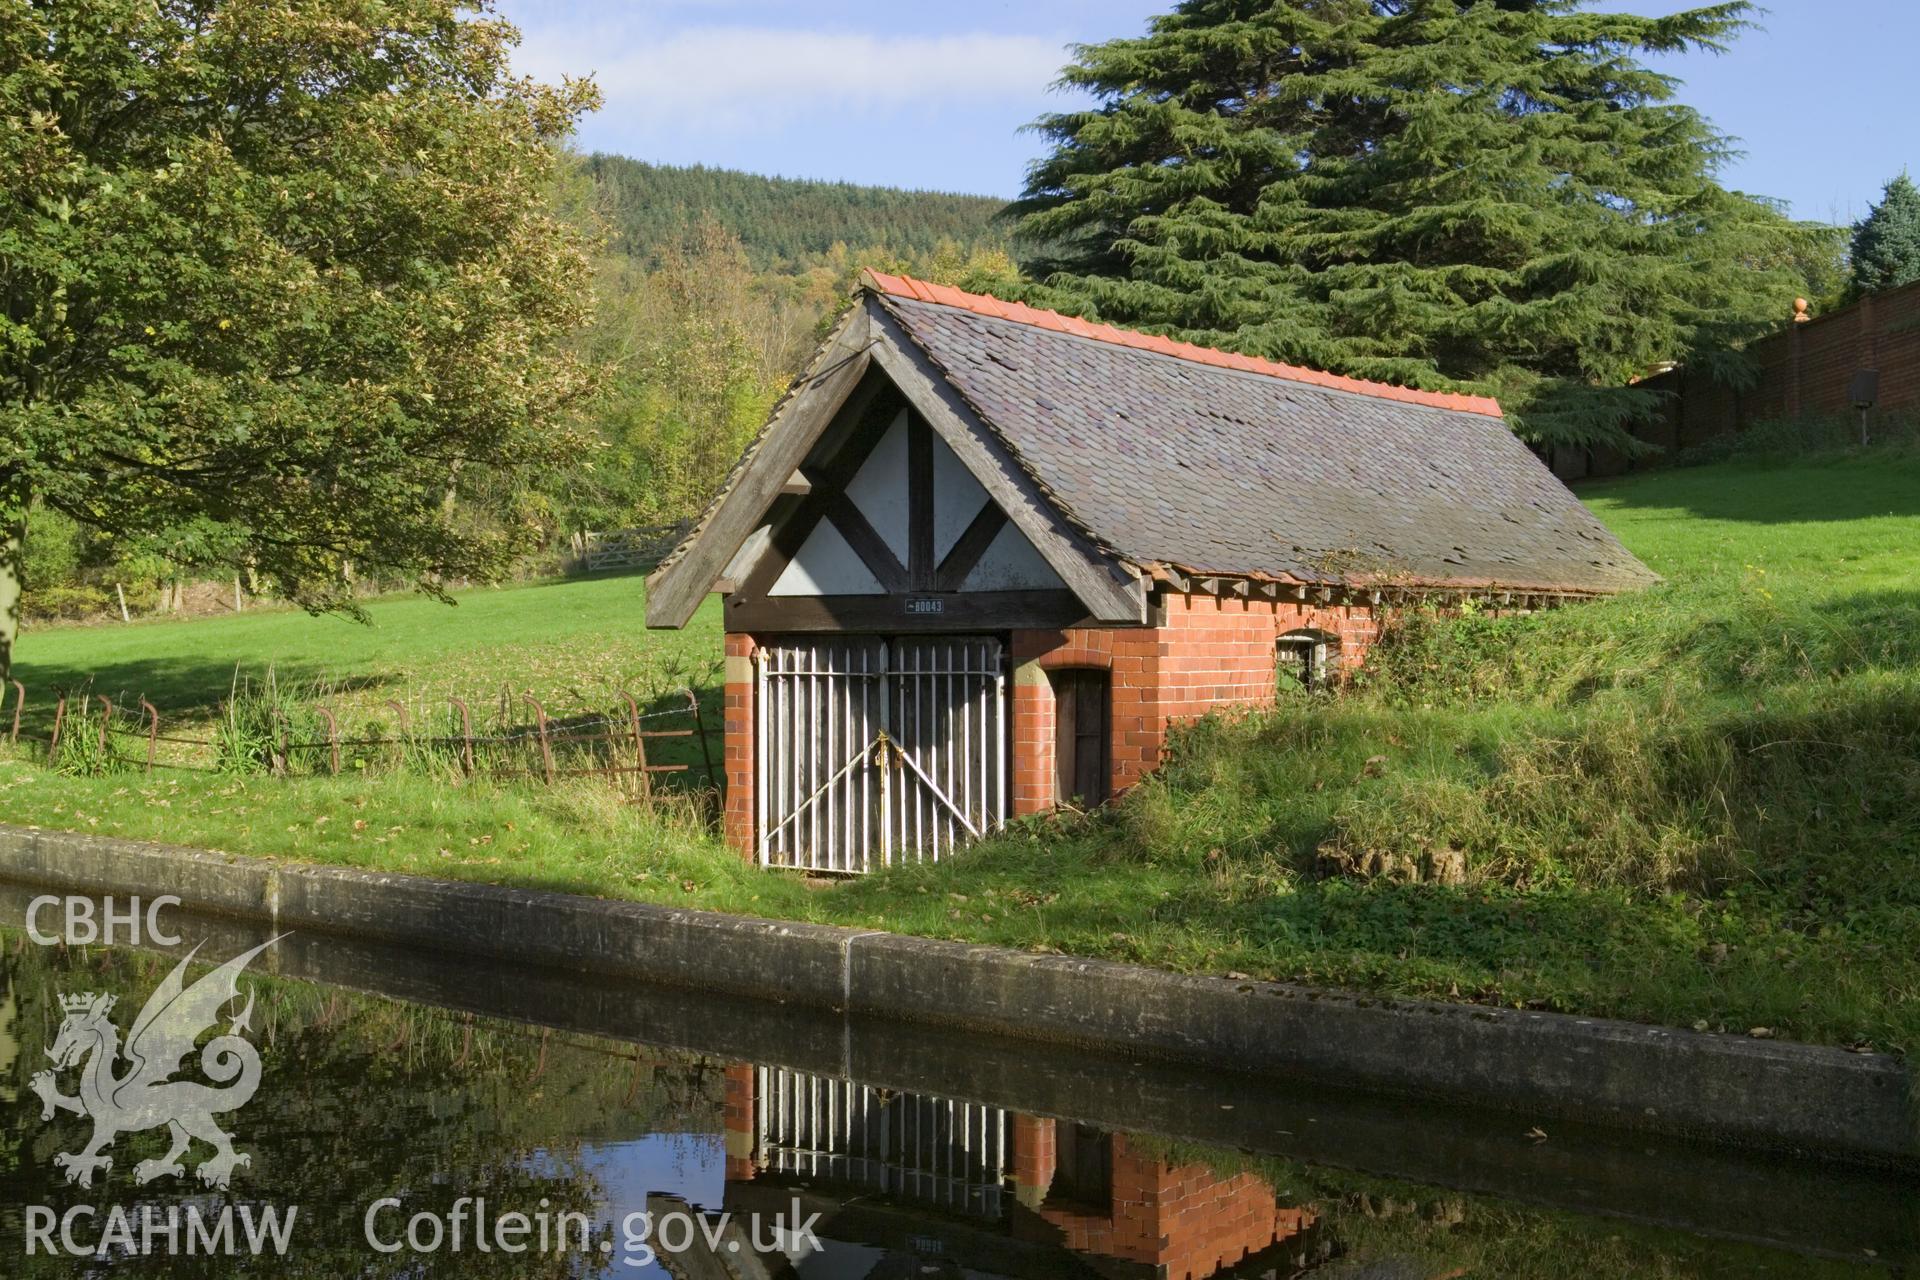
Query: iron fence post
point(59, 719)
point(153, 730)
point(106, 724)
point(19, 704)
point(333, 737)
point(540, 727)
point(466, 735)
point(405, 740)
point(639, 747)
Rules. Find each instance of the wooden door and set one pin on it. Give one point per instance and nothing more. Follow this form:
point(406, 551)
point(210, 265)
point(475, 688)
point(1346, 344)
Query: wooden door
point(1080, 719)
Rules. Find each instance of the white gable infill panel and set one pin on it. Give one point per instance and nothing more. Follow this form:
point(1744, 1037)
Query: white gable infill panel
point(1011, 564)
point(826, 565)
point(879, 489)
point(957, 499)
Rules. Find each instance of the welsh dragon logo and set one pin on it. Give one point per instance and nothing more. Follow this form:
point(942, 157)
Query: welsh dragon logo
point(144, 1096)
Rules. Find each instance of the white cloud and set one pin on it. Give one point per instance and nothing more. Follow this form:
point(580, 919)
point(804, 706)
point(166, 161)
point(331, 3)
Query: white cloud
point(722, 79)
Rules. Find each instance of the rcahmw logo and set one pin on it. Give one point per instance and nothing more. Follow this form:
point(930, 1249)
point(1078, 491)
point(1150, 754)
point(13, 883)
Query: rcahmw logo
point(133, 1089)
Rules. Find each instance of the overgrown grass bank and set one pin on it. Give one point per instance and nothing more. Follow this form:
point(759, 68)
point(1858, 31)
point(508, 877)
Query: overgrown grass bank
point(1698, 806)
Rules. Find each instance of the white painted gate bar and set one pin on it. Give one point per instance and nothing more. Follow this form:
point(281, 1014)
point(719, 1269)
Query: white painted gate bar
point(936, 1150)
point(873, 749)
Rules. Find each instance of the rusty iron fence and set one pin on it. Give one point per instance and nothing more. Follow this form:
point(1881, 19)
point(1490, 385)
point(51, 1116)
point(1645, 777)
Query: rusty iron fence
point(528, 739)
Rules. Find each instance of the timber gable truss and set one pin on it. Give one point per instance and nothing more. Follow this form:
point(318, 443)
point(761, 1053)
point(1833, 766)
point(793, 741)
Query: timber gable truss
point(877, 502)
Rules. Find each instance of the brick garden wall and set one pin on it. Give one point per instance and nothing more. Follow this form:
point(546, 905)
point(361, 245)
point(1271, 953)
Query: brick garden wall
point(1805, 371)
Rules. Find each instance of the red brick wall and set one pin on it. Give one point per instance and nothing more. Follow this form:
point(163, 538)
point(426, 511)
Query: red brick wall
point(1805, 370)
point(736, 823)
point(1221, 652)
point(737, 1086)
point(1035, 1156)
point(1130, 655)
point(1207, 653)
point(1187, 1222)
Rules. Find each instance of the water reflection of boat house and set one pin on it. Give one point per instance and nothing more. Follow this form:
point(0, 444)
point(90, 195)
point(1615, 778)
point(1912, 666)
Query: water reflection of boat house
point(938, 1152)
point(1053, 1197)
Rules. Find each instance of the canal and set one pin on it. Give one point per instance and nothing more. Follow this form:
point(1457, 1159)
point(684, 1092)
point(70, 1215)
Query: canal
point(419, 1114)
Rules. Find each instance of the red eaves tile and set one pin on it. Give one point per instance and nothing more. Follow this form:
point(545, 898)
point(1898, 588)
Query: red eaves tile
point(1021, 313)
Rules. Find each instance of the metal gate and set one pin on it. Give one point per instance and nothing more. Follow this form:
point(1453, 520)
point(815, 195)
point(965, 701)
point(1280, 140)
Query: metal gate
point(873, 751)
point(935, 1150)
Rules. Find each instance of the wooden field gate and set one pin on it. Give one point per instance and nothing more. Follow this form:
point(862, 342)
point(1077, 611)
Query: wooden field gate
point(875, 750)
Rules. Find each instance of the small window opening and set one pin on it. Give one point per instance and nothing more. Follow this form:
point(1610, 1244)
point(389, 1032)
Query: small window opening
point(1303, 661)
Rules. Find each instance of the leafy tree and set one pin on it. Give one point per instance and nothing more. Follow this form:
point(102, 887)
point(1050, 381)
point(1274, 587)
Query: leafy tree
point(284, 267)
point(695, 351)
point(696, 345)
point(53, 552)
point(1886, 243)
point(1440, 193)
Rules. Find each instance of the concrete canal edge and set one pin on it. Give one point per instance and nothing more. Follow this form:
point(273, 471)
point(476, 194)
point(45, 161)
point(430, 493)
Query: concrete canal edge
point(1756, 1093)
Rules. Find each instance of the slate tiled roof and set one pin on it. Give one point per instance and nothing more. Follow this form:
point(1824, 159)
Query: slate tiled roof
point(1174, 455)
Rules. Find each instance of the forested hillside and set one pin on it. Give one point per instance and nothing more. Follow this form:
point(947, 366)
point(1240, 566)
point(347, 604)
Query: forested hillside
point(712, 288)
point(784, 222)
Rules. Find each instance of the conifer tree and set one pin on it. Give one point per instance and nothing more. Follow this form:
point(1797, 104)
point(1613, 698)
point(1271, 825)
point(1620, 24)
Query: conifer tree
point(1886, 243)
point(1441, 193)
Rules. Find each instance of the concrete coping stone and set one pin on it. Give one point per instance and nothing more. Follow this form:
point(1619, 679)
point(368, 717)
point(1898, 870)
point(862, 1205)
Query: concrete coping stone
point(1768, 1094)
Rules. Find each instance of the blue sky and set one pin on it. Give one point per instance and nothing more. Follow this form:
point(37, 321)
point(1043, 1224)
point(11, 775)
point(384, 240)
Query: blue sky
point(918, 93)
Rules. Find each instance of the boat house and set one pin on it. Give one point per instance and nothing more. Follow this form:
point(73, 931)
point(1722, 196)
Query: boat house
point(983, 557)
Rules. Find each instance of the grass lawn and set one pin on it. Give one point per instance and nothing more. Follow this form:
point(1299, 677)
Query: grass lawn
point(576, 645)
point(1695, 806)
point(558, 637)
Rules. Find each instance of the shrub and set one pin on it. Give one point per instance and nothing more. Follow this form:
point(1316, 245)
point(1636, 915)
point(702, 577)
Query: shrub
point(81, 751)
point(65, 601)
point(1785, 439)
point(259, 719)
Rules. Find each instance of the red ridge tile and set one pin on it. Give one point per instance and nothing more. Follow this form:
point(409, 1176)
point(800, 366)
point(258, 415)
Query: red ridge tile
point(1021, 313)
